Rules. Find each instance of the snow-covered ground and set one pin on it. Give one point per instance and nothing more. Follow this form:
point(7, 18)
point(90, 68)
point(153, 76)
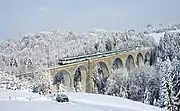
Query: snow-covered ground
point(157, 36)
point(25, 101)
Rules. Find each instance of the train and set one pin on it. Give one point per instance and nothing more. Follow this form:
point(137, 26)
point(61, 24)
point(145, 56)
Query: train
point(69, 60)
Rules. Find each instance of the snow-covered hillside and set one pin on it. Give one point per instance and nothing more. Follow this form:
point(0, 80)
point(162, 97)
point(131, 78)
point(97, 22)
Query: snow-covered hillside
point(157, 36)
point(25, 101)
point(42, 50)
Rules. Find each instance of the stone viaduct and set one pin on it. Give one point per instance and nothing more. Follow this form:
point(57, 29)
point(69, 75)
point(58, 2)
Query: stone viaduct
point(124, 60)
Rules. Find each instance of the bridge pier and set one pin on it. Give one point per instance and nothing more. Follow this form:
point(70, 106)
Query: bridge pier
point(89, 81)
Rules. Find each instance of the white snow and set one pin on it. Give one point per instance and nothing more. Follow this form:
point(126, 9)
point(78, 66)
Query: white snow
point(157, 36)
point(78, 102)
point(17, 95)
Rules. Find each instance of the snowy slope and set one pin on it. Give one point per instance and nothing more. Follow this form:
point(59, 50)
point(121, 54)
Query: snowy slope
point(157, 36)
point(78, 102)
point(17, 95)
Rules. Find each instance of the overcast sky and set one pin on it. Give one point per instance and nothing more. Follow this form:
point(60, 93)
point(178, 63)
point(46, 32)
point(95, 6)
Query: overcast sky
point(18, 17)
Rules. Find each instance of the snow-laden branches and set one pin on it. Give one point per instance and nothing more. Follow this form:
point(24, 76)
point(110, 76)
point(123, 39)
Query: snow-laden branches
point(140, 85)
point(168, 67)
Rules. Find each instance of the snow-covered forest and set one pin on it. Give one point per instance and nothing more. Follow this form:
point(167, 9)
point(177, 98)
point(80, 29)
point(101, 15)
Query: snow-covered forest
point(22, 61)
point(158, 84)
point(35, 52)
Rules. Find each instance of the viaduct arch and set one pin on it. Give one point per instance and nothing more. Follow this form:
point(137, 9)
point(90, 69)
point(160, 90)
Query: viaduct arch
point(130, 63)
point(117, 64)
point(139, 60)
